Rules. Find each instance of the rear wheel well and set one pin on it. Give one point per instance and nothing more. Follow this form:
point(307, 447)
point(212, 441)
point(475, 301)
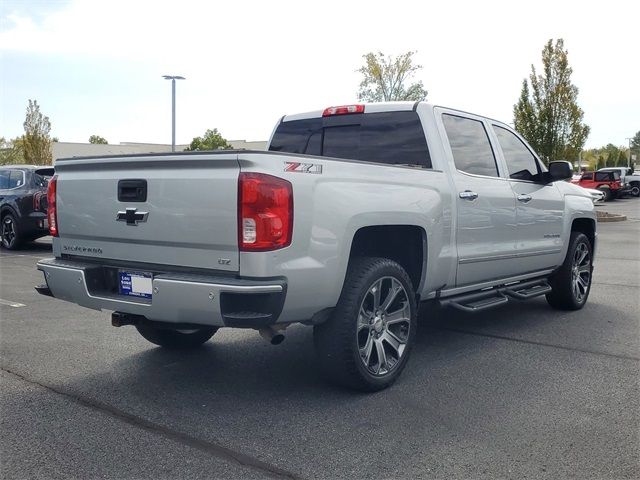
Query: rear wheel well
point(6, 210)
point(586, 226)
point(404, 244)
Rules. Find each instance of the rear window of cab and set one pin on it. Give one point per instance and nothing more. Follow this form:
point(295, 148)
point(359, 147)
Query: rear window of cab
point(393, 138)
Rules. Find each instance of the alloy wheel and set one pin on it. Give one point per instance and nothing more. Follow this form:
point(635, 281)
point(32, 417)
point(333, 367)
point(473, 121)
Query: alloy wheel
point(581, 272)
point(8, 232)
point(383, 325)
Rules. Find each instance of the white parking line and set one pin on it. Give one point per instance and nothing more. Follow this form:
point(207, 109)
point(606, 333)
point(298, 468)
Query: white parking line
point(11, 304)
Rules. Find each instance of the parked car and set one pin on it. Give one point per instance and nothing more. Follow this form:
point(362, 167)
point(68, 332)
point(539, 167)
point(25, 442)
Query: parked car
point(596, 195)
point(628, 177)
point(355, 215)
point(608, 183)
point(23, 203)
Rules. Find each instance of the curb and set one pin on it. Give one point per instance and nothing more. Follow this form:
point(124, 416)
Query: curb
point(609, 217)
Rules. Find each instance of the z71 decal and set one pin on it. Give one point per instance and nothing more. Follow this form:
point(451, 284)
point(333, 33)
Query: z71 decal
point(302, 167)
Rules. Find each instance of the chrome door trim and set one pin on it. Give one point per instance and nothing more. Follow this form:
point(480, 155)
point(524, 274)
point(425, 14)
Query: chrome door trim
point(508, 256)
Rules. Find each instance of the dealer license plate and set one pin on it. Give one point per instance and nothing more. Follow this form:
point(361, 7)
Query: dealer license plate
point(136, 284)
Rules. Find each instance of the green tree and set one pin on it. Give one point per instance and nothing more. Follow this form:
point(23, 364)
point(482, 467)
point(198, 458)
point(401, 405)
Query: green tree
point(623, 154)
point(11, 151)
point(211, 140)
point(97, 139)
point(635, 147)
point(36, 139)
point(547, 113)
point(612, 154)
point(608, 156)
point(385, 77)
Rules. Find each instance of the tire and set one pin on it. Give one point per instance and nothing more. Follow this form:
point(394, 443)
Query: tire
point(10, 231)
point(178, 339)
point(607, 194)
point(368, 352)
point(571, 284)
point(635, 189)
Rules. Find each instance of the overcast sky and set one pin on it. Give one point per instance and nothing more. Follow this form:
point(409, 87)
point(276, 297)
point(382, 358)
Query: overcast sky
point(96, 67)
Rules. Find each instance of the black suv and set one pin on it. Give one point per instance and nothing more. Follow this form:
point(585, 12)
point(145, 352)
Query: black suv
point(23, 203)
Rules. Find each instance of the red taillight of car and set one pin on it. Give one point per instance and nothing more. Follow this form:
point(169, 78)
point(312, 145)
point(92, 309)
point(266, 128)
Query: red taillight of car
point(265, 212)
point(52, 214)
point(37, 201)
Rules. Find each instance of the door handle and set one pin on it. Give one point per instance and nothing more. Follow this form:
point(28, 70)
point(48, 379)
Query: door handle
point(524, 198)
point(132, 191)
point(468, 195)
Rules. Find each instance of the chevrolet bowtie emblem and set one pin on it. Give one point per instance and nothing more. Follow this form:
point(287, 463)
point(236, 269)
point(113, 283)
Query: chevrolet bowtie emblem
point(132, 216)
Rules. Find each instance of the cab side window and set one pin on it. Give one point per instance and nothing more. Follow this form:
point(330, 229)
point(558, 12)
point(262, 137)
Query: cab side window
point(470, 146)
point(521, 164)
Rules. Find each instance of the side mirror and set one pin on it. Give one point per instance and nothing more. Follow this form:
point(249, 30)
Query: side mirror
point(560, 170)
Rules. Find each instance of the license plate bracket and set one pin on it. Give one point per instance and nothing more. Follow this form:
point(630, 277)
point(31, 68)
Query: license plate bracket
point(135, 284)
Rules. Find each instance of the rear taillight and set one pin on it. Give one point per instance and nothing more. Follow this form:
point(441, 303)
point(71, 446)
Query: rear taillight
point(343, 110)
point(37, 201)
point(265, 212)
point(52, 214)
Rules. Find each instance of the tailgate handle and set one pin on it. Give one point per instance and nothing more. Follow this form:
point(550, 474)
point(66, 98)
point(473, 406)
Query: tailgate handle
point(132, 191)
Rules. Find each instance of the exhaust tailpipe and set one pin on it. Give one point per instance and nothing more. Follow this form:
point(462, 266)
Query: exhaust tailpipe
point(272, 335)
point(120, 319)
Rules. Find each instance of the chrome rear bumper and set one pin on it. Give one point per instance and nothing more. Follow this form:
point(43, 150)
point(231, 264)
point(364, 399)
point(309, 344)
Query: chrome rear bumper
point(177, 297)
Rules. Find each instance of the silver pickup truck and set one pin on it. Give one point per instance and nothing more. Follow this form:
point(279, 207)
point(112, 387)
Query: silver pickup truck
point(355, 215)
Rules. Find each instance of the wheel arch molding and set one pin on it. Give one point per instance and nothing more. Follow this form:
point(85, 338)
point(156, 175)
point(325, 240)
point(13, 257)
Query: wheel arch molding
point(404, 244)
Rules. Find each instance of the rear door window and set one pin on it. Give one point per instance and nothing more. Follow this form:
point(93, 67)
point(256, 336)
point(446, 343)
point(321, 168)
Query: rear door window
point(16, 179)
point(470, 146)
point(387, 137)
point(604, 176)
point(4, 179)
point(521, 163)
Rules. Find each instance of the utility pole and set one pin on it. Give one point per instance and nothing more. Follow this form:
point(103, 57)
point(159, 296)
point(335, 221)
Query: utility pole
point(580, 161)
point(173, 79)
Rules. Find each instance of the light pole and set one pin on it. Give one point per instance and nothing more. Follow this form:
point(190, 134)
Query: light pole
point(173, 79)
point(629, 160)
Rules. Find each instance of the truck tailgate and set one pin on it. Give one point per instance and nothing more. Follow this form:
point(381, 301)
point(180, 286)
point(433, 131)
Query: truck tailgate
point(188, 218)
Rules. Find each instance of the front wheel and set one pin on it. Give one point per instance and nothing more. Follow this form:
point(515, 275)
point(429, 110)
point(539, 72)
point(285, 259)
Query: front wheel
point(635, 189)
point(171, 338)
point(366, 342)
point(607, 194)
point(571, 284)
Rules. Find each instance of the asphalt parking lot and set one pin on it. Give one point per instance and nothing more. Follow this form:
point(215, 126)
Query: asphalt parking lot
point(518, 392)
